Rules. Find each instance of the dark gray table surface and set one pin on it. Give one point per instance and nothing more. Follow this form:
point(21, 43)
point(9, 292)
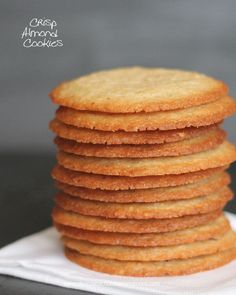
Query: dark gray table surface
point(26, 199)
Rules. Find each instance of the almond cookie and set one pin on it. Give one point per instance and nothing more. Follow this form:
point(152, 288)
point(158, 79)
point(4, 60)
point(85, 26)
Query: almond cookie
point(104, 182)
point(223, 155)
point(184, 147)
point(152, 268)
point(77, 220)
point(137, 89)
point(159, 210)
point(124, 253)
point(187, 191)
point(198, 233)
point(84, 135)
point(196, 116)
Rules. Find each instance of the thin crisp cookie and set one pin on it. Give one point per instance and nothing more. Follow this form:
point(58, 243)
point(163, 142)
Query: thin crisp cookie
point(220, 156)
point(184, 147)
point(129, 253)
point(158, 210)
point(148, 269)
point(187, 191)
point(197, 233)
point(196, 116)
point(104, 182)
point(137, 89)
point(77, 220)
point(84, 135)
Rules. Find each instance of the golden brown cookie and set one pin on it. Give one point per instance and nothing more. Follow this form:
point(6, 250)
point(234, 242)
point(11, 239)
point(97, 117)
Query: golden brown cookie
point(167, 209)
point(198, 233)
point(136, 89)
point(196, 116)
point(187, 191)
point(77, 220)
point(158, 268)
point(220, 156)
point(184, 147)
point(104, 182)
point(121, 137)
point(128, 253)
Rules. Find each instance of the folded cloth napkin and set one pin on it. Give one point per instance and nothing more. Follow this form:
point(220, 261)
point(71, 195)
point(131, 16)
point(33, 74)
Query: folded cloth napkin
point(40, 258)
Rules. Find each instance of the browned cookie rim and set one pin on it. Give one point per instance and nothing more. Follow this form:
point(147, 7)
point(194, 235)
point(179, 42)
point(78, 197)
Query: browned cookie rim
point(220, 156)
point(181, 192)
point(85, 135)
point(156, 210)
point(68, 218)
point(198, 233)
point(184, 147)
point(197, 116)
point(156, 253)
point(104, 182)
point(164, 268)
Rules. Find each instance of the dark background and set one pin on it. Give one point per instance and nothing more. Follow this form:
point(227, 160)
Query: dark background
point(188, 34)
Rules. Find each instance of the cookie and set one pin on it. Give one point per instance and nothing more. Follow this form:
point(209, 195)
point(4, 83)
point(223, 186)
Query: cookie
point(84, 135)
point(223, 155)
point(77, 220)
point(104, 182)
point(151, 268)
point(184, 147)
point(196, 116)
point(167, 209)
point(129, 253)
point(198, 233)
point(136, 89)
point(187, 191)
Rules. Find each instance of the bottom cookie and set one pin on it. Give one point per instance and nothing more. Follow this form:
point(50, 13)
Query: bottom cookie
point(160, 268)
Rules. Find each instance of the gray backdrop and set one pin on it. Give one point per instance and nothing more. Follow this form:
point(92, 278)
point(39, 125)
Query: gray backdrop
point(98, 34)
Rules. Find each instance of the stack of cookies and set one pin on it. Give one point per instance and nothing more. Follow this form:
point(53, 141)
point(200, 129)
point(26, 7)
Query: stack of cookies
point(141, 171)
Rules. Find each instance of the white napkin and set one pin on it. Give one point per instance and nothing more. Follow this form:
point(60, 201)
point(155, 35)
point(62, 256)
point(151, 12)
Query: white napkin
point(40, 258)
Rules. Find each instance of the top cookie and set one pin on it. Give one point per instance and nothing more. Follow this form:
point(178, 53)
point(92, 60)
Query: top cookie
point(136, 89)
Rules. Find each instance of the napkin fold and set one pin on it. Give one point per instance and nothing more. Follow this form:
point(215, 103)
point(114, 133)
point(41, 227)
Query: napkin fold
point(40, 258)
